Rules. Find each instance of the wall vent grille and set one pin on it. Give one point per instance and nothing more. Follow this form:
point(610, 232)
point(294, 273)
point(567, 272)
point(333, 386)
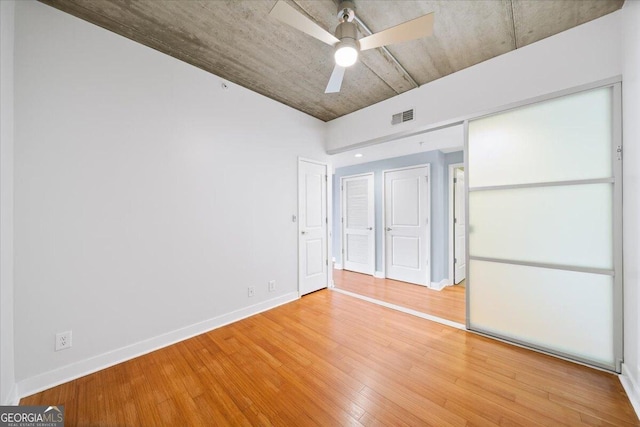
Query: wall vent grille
point(405, 116)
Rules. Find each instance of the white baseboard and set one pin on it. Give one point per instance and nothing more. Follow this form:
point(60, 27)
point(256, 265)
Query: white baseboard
point(377, 274)
point(438, 286)
point(631, 387)
point(79, 369)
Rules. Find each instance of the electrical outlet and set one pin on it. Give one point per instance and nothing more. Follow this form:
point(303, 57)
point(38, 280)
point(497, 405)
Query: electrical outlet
point(272, 285)
point(63, 340)
point(252, 291)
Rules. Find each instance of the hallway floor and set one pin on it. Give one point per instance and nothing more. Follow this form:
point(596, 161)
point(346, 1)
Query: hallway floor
point(448, 303)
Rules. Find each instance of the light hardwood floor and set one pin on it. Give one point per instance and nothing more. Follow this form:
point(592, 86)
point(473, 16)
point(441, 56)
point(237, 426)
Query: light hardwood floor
point(448, 303)
point(329, 359)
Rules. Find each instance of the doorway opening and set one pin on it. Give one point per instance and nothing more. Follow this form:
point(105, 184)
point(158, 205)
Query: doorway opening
point(429, 293)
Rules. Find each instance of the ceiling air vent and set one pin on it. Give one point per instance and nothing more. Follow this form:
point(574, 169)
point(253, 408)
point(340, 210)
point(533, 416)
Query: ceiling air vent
point(405, 116)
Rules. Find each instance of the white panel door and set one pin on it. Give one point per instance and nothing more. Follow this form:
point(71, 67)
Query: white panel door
point(358, 237)
point(459, 228)
point(407, 225)
point(312, 242)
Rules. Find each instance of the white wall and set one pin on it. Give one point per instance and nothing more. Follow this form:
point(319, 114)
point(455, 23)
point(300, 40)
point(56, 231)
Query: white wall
point(584, 54)
point(147, 198)
point(7, 377)
point(631, 212)
point(447, 140)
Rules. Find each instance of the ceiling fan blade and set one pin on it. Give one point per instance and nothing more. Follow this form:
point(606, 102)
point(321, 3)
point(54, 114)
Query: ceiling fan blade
point(410, 30)
point(287, 14)
point(335, 81)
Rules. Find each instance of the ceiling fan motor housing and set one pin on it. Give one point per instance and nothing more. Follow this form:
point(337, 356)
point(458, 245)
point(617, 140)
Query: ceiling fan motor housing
point(347, 32)
point(347, 49)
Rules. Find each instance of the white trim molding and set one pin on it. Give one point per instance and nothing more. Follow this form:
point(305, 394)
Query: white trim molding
point(379, 274)
point(450, 215)
point(631, 387)
point(337, 266)
point(97, 363)
point(438, 286)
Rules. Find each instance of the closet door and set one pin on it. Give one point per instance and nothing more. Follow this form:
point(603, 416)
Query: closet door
point(358, 234)
point(407, 227)
point(544, 226)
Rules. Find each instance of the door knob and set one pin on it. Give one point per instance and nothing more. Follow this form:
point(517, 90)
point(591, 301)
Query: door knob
point(388, 228)
point(370, 228)
point(303, 232)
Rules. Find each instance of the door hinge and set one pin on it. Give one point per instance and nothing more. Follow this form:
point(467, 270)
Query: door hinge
point(619, 151)
point(326, 220)
point(426, 178)
point(326, 262)
point(455, 220)
point(326, 178)
point(455, 260)
point(342, 220)
point(455, 180)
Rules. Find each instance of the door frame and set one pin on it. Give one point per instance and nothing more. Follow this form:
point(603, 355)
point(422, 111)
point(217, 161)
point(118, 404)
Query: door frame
point(384, 219)
point(343, 206)
point(452, 277)
point(328, 207)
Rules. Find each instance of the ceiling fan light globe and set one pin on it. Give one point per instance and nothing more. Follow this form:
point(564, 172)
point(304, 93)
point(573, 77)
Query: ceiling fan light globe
point(346, 55)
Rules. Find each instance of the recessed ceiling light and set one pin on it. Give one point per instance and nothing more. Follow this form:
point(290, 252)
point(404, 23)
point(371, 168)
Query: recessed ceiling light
point(358, 155)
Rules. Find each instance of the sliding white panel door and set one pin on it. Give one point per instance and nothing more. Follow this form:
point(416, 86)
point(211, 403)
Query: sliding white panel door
point(544, 220)
point(358, 234)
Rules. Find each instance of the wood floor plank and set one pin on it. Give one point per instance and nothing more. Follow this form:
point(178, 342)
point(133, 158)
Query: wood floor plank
point(449, 303)
point(331, 359)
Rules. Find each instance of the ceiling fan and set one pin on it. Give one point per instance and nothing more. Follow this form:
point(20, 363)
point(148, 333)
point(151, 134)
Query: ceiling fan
point(346, 43)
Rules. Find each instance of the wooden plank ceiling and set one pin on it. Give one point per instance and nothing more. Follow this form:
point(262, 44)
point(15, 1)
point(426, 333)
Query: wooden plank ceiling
point(238, 41)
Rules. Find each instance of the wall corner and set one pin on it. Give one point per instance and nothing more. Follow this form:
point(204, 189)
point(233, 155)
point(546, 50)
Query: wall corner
point(630, 385)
